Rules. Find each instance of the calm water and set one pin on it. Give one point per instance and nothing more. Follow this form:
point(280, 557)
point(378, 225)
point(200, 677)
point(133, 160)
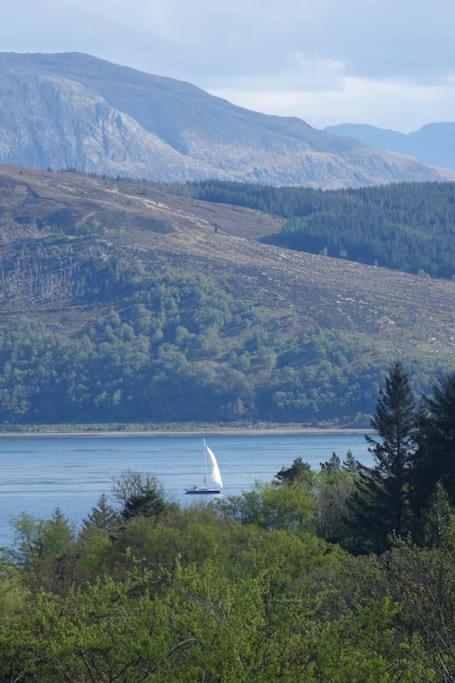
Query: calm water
point(37, 474)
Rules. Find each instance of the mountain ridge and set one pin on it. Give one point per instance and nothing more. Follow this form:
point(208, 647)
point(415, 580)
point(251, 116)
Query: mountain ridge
point(99, 117)
point(433, 143)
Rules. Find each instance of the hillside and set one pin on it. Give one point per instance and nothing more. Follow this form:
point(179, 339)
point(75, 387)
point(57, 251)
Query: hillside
point(403, 226)
point(120, 301)
point(98, 117)
point(433, 144)
point(151, 225)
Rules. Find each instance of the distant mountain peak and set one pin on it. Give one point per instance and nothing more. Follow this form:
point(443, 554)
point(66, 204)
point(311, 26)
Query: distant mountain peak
point(433, 143)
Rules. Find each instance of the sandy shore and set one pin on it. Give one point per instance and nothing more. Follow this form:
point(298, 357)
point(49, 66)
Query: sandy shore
point(234, 431)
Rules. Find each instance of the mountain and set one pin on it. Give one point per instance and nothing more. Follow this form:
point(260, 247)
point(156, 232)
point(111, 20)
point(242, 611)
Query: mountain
point(71, 110)
point(121, 301)
point(434, 144)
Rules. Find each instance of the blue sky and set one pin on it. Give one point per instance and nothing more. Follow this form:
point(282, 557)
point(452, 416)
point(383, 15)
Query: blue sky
point(388, 63)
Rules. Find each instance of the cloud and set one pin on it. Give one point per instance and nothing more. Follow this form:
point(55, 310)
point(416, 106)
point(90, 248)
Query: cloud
point(301, 73)
point(295, 56)
point(390, 104)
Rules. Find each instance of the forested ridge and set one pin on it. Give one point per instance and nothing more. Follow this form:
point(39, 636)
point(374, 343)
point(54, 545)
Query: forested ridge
point(344, 574)
point(179, 348)
point(408, 226)
point(124, 303)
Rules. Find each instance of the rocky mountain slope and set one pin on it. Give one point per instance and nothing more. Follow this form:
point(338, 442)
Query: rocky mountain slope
point(433, 144)
point(76, 111)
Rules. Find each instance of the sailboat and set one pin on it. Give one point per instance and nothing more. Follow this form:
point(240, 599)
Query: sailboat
point(215, 475)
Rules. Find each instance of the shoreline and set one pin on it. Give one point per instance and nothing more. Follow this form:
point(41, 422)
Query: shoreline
point(187, 433)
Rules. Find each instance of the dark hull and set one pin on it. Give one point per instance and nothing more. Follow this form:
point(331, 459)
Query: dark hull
point(201, 491)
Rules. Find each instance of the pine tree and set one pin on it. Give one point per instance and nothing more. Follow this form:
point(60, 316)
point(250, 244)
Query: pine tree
point(438, 518)
point(102, 515)
point(58, 533)
point(350, 464)
point(436, 446)
point(379, 507)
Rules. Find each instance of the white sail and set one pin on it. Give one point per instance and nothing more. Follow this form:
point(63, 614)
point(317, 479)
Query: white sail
point(216, 474)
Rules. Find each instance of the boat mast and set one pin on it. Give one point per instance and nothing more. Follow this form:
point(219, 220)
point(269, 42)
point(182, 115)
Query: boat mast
point(205, 462)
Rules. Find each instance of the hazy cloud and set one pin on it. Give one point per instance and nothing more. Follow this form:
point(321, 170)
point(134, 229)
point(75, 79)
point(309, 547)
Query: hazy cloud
point(294, 57)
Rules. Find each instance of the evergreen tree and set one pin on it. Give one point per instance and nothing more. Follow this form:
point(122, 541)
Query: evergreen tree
point(350, 464)
point(102, 515)
point(436, 446)
point(149, 503)
point(437, 519)
point(379, 507)
point(298, 471)
point(334, 463)
point(140, 495)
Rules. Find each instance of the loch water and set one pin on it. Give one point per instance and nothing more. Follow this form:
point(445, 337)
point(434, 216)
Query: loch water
point(39, 473)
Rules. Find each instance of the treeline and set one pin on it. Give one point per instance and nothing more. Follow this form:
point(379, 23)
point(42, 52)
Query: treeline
point(411, 489)
point(180, 348)
point(276, 584)
point(409, 226)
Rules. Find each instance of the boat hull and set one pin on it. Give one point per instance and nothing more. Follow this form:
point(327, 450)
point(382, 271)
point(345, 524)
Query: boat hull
point(199, 491)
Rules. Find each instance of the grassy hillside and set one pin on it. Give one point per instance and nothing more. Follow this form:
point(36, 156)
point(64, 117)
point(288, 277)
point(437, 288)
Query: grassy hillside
point(408, 227)
point(119, 301)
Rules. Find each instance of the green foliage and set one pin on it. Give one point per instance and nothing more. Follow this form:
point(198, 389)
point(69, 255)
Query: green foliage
point(249, 588)
point(435, 458)
point(380, 506)
point(13, 593)
point(269, 506)
point(334, 488)
point(299, 471)
point(102, 517)
point(409, 490)
point(350, 464)
point(140, 496)
point(179, 348)
point(194, 595)
point(438, 519)
point(422, 581)
point(105, 632)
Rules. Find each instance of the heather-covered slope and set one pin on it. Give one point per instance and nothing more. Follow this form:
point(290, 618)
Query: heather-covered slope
point(139, 222)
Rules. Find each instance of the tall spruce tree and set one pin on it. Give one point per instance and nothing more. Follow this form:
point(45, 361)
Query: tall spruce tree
point(102, 515)
point(435, 460)
point(380, 507)
point(140, 495)
point(350, 464)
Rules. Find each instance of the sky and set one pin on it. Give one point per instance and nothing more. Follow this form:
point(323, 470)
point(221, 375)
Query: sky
point(389, 63)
